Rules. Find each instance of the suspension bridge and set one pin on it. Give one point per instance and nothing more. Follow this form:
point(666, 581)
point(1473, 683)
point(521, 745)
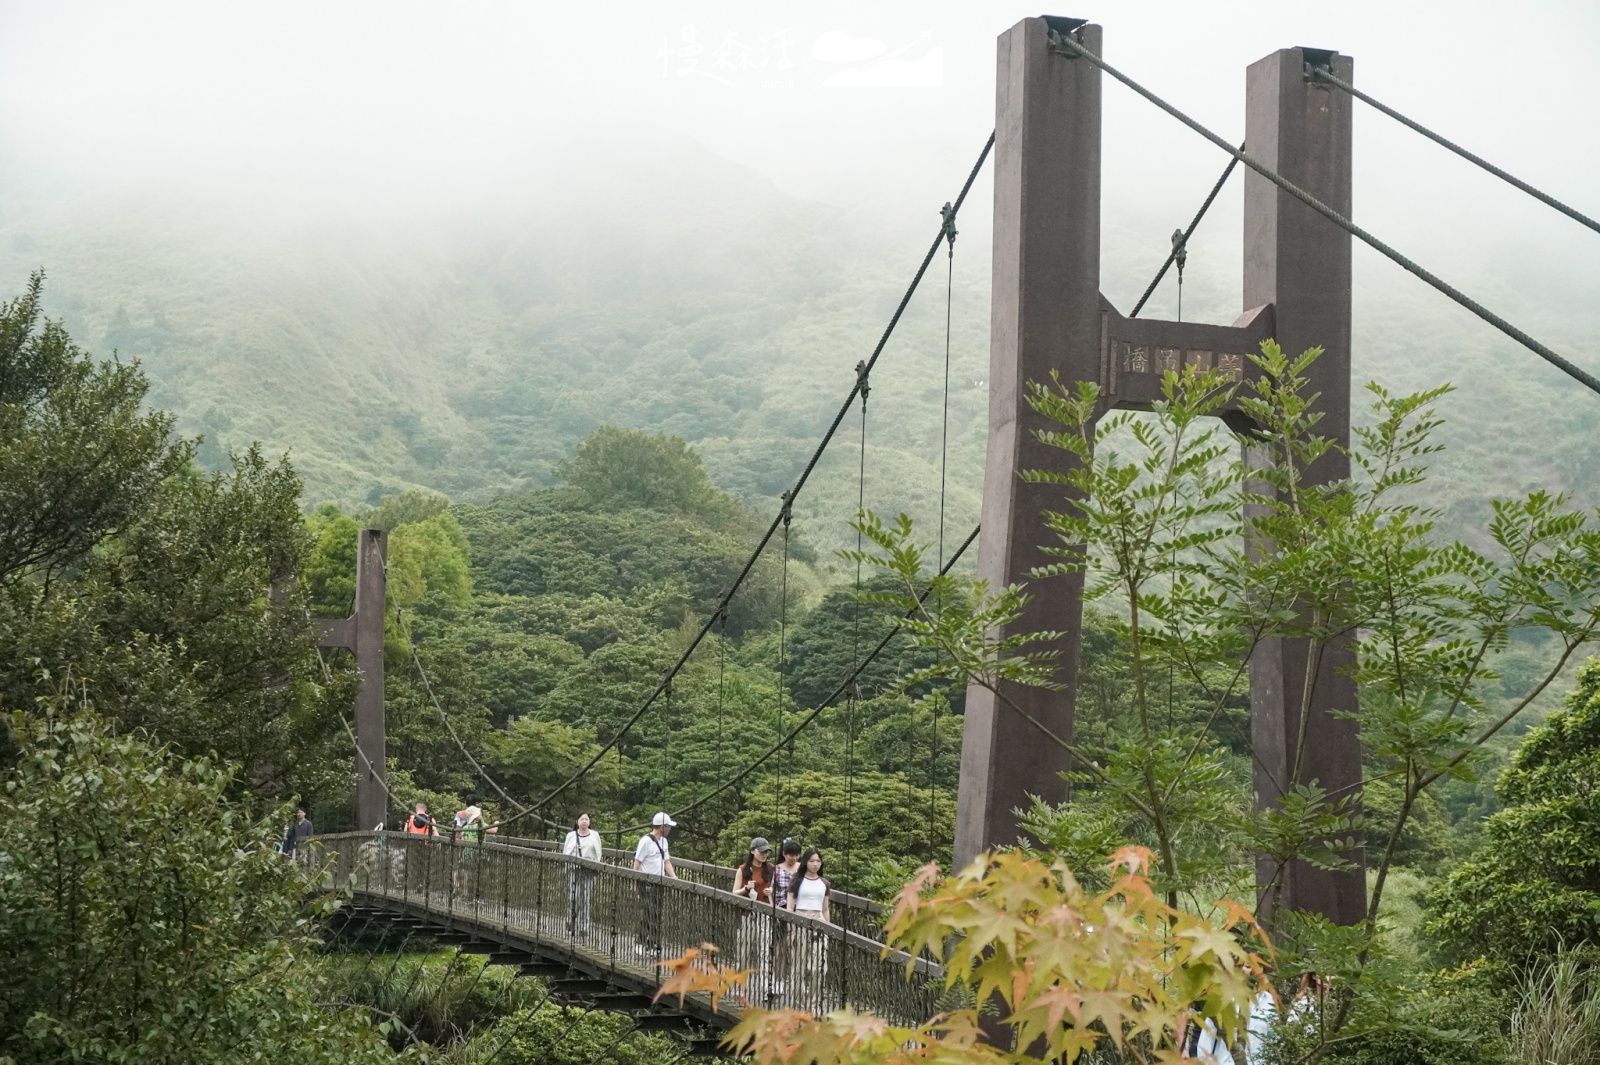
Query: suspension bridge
point(518, 900)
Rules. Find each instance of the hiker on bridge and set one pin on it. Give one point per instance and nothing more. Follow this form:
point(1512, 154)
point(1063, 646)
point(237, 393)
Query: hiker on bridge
point(653, 857)
point(753, 877)
point(468, 825)
point(298, 831)
point(420, 823)
point(580, 843)
point(808, 892)
point(785, 871)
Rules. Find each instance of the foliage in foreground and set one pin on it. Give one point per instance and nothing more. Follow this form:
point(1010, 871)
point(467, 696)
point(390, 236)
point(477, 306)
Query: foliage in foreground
point(1072, 972)
point(451, 1007)
point(1203, 558)
point(146, 917)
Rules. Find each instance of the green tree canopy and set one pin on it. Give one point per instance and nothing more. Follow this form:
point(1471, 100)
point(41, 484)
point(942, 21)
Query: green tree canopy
point(1535, 882)
point(171, 591)
point(146, 916)
point(856, 822)
point(429, 557)
point(627, 467)
point(79, 458)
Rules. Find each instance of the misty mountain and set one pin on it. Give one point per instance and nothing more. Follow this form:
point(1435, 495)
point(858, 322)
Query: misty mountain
point(465, 341)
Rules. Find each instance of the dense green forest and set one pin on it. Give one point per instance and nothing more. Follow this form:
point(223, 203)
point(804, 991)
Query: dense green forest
point(541, 621)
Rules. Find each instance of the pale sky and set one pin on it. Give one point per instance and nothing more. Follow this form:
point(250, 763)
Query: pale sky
point(359, 101)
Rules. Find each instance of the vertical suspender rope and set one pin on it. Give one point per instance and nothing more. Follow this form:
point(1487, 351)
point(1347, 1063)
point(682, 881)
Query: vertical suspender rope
point(783, 639)
point(666, 721)
point(949, 214)
point(862, 372)
point(855, 635)
point(948, 211)
point(722, 666)
point(1180, 241)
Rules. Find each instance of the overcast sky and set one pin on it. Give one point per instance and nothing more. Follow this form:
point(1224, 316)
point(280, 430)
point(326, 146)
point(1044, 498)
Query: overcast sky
point(854, 103)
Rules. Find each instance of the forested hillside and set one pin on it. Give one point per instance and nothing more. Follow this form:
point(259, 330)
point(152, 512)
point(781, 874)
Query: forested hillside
point(165, 701)
point(542, 620)
point(466, 345)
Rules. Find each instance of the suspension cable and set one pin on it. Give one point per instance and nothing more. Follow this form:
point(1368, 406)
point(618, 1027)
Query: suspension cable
point(1577, 373)
point(794, 492)
point(1180, 242)
point(405, 629)
point(372, 770)
point(427, 685)
point(800, 726)
point(1322, 73)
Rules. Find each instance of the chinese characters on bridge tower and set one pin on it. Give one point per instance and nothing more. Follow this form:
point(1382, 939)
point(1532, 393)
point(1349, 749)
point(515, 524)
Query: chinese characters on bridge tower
point(1145, 359)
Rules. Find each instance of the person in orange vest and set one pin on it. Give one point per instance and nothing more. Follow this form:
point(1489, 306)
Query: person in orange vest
point(420, 823)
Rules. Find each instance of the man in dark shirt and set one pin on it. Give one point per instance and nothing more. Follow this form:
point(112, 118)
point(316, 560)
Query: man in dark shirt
point(298, 831)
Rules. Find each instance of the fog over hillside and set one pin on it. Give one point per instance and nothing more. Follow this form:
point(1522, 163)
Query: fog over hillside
point(416, 251)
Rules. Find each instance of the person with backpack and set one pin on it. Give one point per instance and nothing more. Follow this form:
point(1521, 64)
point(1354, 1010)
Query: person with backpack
point(582, 843)
point(468, 827)
point(420, 823)
point(468, 824)
point(653, 858)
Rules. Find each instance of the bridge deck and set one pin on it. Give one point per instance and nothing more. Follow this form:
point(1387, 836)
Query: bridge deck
point(620, 925)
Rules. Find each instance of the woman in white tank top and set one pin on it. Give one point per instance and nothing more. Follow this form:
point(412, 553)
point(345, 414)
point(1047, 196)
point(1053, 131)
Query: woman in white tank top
point(808, 891)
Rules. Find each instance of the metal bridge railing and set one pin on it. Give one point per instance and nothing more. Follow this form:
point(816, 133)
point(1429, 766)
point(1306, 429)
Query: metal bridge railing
point(857, 913)
point(623, 924)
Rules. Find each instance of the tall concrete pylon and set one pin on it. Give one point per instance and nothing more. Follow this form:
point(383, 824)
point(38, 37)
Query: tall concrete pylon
point(362, 633)
point(1047, 314)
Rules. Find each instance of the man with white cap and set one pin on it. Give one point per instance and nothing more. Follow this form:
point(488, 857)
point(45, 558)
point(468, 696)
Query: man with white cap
point(651, 855)
point(652, 858)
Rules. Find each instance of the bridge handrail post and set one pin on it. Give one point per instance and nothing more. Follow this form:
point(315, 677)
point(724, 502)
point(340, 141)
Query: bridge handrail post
point(616, 904)
point(453, 862)
point(477, 876)
point(538, 903)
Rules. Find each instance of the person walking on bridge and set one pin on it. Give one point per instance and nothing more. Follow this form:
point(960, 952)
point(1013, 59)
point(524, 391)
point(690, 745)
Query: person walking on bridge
point(808, 898)
point(782, 874)
point(298, 831)
point(753, 877)
point(468, 827)
point(420, 823)
point(785, 871)
point(583, 844)
point(808, 892)
point(653, 858)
